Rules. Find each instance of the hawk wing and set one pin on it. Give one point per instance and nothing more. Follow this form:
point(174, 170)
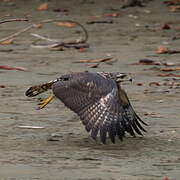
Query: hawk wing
point(96, 100)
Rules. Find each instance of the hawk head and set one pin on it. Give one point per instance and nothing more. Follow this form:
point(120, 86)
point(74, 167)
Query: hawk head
point(117, 76)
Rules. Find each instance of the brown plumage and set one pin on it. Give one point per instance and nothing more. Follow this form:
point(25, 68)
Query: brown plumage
point(99, 101)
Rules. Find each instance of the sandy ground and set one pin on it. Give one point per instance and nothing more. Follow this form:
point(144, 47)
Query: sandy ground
point(26, 154)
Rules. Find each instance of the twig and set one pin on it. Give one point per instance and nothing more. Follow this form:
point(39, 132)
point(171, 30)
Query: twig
point(48, 45)
point(56, 42)
point(93, 60)
point(75, 22)
point(100, 22)
point(17, 33)
point(43, 38)
point(12, 20)
point(78, 43)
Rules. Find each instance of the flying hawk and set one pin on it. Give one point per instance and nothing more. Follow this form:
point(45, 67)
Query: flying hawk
point(99, 101)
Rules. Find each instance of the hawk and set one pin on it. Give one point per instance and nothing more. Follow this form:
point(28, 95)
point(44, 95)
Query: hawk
point(99, 101)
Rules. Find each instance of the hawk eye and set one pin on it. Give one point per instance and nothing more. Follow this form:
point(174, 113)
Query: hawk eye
point(65, 78)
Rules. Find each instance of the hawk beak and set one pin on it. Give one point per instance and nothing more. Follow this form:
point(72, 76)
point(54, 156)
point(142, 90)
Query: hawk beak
point(123, 78)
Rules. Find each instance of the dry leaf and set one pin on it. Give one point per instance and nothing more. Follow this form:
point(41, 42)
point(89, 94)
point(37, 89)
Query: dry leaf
point(7, 42)
point(43, 7)
point(172, 2)
point(38, 26)
point(82, 49)
point(2, 86)
point(166, 26)
point(168, 75)
point(13, 68)
point(147, 62)
point(162, 50)
point(93, 65)
point(170, 69)
point(174, 8)
point(171, 64)
point(66, 24)
point(140, 84)
point(154, 84)
point(166, 178)
point(60, 10)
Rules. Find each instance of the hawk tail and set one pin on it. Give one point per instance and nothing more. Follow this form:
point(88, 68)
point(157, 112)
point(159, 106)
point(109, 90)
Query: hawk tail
point(38, 89)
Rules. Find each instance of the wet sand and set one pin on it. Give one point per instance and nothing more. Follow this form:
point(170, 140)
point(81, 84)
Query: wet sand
point(26, 154)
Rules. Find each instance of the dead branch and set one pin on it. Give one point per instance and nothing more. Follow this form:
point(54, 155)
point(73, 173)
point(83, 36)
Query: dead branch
point(75, 22)
point(77, 43)
point(43, 38)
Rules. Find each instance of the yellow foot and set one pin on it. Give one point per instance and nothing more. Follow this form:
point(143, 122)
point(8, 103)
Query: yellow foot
point(44, 102)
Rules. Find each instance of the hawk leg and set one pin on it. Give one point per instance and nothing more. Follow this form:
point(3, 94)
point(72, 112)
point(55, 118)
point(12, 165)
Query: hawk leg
point(44, 102)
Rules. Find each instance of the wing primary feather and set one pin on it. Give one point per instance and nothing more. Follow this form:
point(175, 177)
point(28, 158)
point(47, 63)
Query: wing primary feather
point(120, 131)
point(140, 119)
point(103, 134)
point(136, 129)
point(95, 130)
point(112, 132)
point(139, 125)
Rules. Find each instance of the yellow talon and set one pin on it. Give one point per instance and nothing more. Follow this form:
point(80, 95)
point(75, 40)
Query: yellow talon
point(44, 102)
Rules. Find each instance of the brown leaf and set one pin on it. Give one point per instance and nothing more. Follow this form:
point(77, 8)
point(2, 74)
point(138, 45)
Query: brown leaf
point(169, 75)
point(66, 24)
point(38, 26)
point(154, 84)
point(13, 68)
point(93, 65)
point(140, 84)
point(82, 49)
point(162, 50)
point(147, 62)
point(170, 69)
point(171, 64)
point(166, 178)
point(2, 86)
point(60, 10)
point(43, 7)
point(174, 8)
point(172, 2)
point(7, 42)
point(166, 27)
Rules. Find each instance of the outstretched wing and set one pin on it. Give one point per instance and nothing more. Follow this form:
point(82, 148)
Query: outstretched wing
point(130, 120)
point(96, 100)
